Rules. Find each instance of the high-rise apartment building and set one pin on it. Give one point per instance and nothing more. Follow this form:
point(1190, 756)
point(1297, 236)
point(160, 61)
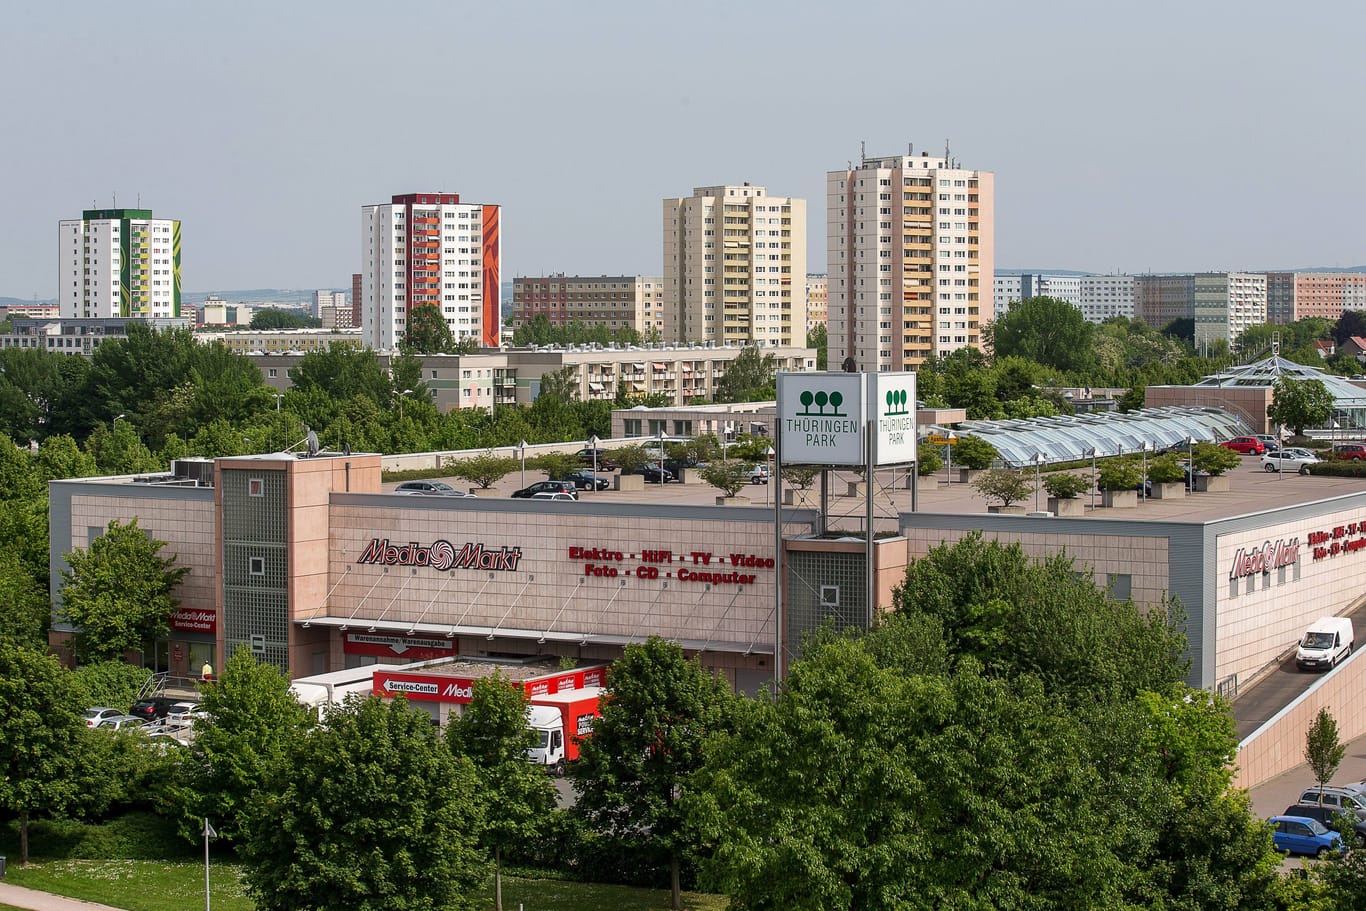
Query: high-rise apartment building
point(1159, 299)
point(817, 297)
point(119, 263)
point(1323, 294)
point(1225, 304)
point(1106, 296)
point(429, 249)
point(614, 301)
point(735, 267)
point(911, 258)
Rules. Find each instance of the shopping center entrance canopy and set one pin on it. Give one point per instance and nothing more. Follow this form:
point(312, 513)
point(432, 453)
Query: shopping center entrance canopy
point(1073, 437)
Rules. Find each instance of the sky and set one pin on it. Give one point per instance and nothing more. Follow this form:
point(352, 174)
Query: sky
point(1155, 136)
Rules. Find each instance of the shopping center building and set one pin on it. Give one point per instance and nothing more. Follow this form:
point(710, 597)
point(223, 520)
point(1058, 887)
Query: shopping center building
point(316, 566)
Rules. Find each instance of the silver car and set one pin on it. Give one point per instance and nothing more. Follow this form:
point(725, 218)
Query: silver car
point(1289, 460)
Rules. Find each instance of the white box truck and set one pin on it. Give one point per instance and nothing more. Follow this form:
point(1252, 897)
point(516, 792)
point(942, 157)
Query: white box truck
point(560, 721)
point(1327, 641)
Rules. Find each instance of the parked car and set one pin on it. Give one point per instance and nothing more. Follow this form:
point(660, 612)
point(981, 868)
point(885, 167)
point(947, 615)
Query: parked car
point(151, 709)
point(1326, 815)
point(1351, 452)
point(1302, 835)
point(120, 723)
point(1345, 797)
point(1270, 441)
point(93, 717)
point(185, 713)
point(547, 495)
point(430, 488)
point(675, 466)
point(583, 479)
point(1289, 460)
point(602, 462)
point(758, 474)
point(1245, 445)
point(547, 487)
point(653, 473)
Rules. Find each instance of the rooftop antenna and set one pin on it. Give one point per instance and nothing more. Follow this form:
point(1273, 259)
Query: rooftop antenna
point(946, 152)
point(910, 149)
point(116, 199)
point(863, 152)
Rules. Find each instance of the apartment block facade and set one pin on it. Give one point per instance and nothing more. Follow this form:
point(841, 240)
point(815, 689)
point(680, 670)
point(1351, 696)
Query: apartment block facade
point(735, 267)
point(429, 249)
point(1159, 299)
point(1106, 296)
point(1300, 295)
point(911, 256)
point(119, 263)
point(613, 301)
point(1225, 304)
point(817, 300)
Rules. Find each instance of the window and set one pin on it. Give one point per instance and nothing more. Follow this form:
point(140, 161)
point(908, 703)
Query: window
point(257, 566)
point(256, 487)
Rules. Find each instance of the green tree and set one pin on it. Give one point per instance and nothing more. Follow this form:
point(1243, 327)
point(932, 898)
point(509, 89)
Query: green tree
point(1003, 484)
point(428, 332)
point(268, 318)
point(255, 722)
point(112, 683)
point(556, 465)
point(1322, 748)
point(59, 457)
point(371, 812)
point(1214, 459)
point(728, 476)
point(927, 459)
point(659, 708)
point(24, 611)
point(1352, 324)
point(118, 592)
point(341, 373)
point(870, 786)
point(40, 729)
point(1300, 403)
point(974, 453)
point(1045, 330)
point(485, 469)
point(749, 377)
point(818, 337)
point(494, 735)
point(19, 477)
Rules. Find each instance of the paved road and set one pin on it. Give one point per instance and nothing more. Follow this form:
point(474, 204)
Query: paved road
point(20, 897)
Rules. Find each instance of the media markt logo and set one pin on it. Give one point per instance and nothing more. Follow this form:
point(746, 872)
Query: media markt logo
point(820, 400)
point(896, 404)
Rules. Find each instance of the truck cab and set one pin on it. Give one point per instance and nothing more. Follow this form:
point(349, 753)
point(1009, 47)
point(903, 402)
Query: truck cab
point(561, 722)
point(548, 750)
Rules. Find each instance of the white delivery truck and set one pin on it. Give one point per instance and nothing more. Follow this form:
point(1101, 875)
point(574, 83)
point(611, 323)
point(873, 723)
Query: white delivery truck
point(320, 691)
point(1327, 641)
point(560, 721)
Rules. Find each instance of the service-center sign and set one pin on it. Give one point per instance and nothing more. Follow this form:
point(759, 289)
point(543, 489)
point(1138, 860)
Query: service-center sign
point(820, 418)
point(892, 400)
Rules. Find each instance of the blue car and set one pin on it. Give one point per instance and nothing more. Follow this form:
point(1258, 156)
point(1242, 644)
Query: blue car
point(1302, 835)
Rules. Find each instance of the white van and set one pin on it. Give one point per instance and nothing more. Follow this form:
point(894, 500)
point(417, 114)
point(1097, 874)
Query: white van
point(1327, 641)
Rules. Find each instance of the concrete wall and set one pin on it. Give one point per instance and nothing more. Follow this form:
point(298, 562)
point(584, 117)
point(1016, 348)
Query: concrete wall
point(1278, 745)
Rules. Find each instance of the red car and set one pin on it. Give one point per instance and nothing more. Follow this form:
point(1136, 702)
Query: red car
point(1245, 445)
point(1352, 452)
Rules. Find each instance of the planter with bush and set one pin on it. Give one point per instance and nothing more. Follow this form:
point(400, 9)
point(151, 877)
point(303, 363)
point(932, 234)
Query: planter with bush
point(1167, 475)
point(729, 476)
point(1211, 461)
point(971, 455)
point(927, 459)
point(1118, 481)
point(1064, 489)
point(799, 479)
point(1005, 486)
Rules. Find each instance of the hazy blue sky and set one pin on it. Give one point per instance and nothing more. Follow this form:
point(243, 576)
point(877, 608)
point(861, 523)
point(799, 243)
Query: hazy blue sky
point(1143, 136)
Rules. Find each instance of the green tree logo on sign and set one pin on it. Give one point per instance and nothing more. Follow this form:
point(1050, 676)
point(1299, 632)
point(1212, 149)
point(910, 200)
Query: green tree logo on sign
point(820, 400)
point(896, 403)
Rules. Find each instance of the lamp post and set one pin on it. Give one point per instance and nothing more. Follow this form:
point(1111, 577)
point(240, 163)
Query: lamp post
point(521, 451)
point(661, 454)
point(1143, 481)
point(948, 453)
point(208, 833)
point(1092, 453)
point(401, 397)
point(117, 418)
point(593, 442)
point(277, 396)
point(768, 456)
point(1038, 468)
point(1190, 462)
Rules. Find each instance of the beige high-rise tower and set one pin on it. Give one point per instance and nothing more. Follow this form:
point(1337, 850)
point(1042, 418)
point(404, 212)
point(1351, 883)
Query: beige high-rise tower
point(911, 260)
point(735, 267)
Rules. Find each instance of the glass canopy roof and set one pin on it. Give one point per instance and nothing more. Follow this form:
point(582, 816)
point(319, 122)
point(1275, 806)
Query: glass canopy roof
point(1071, 438)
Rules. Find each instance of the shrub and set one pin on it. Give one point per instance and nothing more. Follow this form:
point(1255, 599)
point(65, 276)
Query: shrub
point(485, 469)
point(1213, 459)
point(1166, 469)
point(1119, 474)
point(800, 476)
point(1339, 469)
point(1002, 484)
point(556, 465)
point(1066, 486)
point(927, 460)
point(729, 476)
point(133, 836)
point(630, 458)
point(974, 452)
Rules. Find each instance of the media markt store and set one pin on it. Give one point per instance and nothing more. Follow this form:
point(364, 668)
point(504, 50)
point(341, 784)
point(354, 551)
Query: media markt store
point(190, 644)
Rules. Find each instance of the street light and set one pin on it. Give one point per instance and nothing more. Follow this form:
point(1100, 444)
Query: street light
point(593, 442)
point(1092, 453)
point(1190, 461)
point(948, 450)
point(521, 451)
point(117, 418)
point(277, 396)
point(1038, 467)
point(768, 456)
point(661, 454)
point(401, 397)
point(1143, 481)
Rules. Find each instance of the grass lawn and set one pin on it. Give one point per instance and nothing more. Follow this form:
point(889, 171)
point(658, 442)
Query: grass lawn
point(175, 885)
